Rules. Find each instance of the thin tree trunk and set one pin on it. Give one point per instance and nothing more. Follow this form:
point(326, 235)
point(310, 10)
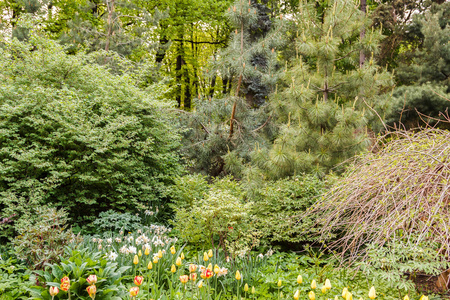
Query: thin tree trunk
point(233, 112)
point(362, 56)
point(110, 7)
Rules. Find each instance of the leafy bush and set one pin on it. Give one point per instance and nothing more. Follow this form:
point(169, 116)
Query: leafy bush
point(219, 218)
point(111, 221)
point(77, 136)
point(280, 207)
point(42, 239)
point(15, 278)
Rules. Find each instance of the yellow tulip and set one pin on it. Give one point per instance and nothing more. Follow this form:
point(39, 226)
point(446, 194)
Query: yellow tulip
point(372, 294)
point(150, 265)
point(136, 260)
point(299, 279)
point(155, 259)
point(323, 289)
point(297, 295)
point(349, 296)
point(192, 268)
point(205, 256)
point(210, 253)
point(311, 295)
point(182, 255)
point(216, 269)
point(160, 254)
point(328, 284)
point(147, 251)
point(140, 253)
point(200, 284)
point(178, 262)
point(344, 292)
point(406, 297)
point(336, 298)
point(279, 283)
point(173, 269)
point(238, 275)
point(209, 267)
point(172, 250)
point(313, 284)
point(246, 288)
point(253, 290)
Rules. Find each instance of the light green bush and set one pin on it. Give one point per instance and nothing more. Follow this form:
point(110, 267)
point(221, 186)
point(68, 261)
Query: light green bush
point(74, 135)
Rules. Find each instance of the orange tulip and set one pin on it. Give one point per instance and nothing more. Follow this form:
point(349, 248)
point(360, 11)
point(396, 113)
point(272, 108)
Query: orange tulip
point(192, 268)
point(138, 280)
point(65, 283)
point(92, 289)
point(193, 276)
point(184, 279)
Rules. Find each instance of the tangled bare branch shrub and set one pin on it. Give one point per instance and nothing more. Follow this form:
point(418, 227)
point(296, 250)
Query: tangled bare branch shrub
point(402, 191)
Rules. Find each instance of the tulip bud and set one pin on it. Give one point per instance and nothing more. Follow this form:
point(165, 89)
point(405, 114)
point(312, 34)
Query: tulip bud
point(193, 276)
point(406, 297)
point(160, 254)
point(328, 284)
point(238, 275)
point(216, 269)
point(311, 295)
point(299, 279)
point(178, 262)
point(147, 251)
point(172, 250)
point(173, 269)
point(184, 279)
point(210, 253)
point(297, 295)
point(65, 283)
point(138, 280)
point(92, 279)
point(182, 255)
point(134, 291)
point(344, 292)
point(323, 289)
point(246, 288)
point(372, 294)
point(205, 256)
point(140, 253)
point(209, 267)
point(155, 259)
point(92, 289)
point(200, 284)
point(253, 290)
point(313, 284)
point(150, 265)
point(53, 291)
point(279, 283)
point(136, 260)
point(192, 268)
point(349, 296)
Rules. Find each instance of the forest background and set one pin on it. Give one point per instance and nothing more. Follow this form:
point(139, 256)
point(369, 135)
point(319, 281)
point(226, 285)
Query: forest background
point(210, 115)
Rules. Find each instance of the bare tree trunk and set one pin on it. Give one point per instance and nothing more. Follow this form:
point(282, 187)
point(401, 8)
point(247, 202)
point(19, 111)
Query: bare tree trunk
point(362, 56)
point(110, 7)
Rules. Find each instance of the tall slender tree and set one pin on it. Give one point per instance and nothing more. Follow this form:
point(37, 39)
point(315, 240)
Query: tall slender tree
point(226, 127)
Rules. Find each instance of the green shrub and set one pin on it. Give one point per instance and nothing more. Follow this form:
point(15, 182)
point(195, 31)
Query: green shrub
point(76, 136)
point(219, 217)
point(112, 221)
point(42, 239)
point(15, 278)
point(280, 207)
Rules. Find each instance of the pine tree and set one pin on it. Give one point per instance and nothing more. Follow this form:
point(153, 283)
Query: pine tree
point(226, 127)
point(424, 75)
point(321, 106)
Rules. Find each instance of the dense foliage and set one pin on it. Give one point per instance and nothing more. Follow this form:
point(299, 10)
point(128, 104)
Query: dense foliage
point(76, 136)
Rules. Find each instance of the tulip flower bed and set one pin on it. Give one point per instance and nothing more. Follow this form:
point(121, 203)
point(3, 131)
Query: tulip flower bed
point(150, 265)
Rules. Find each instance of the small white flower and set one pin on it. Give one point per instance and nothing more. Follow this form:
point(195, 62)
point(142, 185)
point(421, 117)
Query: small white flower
point(94, 240)
point(109, 241)
point(261, 256)
point(132, 250)
point(124, 249)
point(119, 240)
point(112, 256)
